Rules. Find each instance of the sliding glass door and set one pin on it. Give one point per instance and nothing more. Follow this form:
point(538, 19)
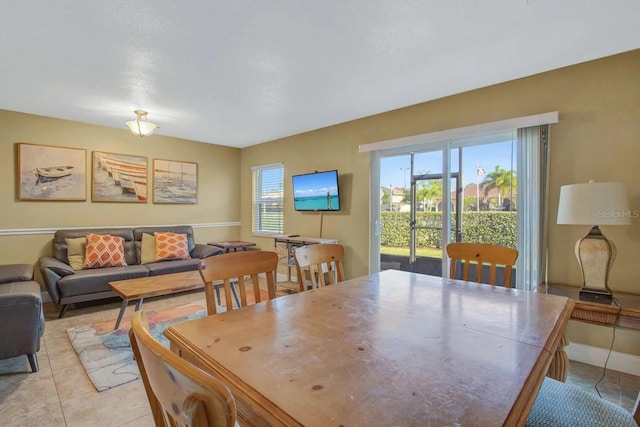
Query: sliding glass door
point(467, 187)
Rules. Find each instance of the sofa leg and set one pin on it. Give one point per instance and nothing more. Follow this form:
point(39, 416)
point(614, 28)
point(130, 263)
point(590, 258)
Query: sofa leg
point(33, 361)
point(63, 311)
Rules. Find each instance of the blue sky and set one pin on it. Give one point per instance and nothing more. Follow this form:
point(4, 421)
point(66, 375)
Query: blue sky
point(317, 184)
point(395, 171)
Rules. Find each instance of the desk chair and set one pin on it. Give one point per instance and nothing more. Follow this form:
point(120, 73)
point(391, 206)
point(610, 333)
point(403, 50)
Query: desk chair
point(319, 259)
point(179, 393)
point(564, 405)
point(482, 254)
point(234, 267)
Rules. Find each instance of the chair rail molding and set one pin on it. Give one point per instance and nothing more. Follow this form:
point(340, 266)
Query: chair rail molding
point(52, 230)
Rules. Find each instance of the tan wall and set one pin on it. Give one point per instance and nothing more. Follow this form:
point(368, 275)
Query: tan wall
point(598, 138)
point(218, 186)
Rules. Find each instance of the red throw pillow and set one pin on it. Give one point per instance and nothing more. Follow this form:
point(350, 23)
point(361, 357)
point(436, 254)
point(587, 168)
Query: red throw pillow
point(104, 251)
point(171, 246)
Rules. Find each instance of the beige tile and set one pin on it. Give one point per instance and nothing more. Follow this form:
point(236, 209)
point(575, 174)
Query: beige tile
point(113, 407)
point(73, 381)
point(616, 387)
point(29, 398)
point(145, 421)
point(37, 415)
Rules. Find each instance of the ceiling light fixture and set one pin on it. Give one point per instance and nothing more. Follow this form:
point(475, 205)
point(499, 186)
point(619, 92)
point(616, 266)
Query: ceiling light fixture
point(141, 126)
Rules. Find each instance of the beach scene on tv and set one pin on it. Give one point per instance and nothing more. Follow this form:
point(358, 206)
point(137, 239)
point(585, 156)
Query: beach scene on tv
point(316, 192)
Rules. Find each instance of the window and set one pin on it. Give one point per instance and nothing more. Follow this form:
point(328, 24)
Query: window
point(268, 196)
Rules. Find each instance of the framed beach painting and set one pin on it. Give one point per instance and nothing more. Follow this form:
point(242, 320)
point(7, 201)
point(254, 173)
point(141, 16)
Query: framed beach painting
point(174, 182)
point(118, 178)
point(51, 173)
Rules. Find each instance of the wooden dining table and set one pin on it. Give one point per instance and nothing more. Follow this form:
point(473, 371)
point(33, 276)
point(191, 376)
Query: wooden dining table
point(389, 349)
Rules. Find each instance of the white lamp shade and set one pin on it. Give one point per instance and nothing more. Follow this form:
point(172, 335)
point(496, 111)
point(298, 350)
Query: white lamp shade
point(594, 203)
point(141, 127)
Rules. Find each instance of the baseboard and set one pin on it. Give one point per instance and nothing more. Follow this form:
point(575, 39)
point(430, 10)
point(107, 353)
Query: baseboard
point(596, 356)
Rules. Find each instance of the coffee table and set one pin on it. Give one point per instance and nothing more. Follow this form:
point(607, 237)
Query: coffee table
point(165, 284)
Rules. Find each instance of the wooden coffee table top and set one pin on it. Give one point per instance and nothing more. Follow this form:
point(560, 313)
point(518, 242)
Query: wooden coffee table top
point(150, 286)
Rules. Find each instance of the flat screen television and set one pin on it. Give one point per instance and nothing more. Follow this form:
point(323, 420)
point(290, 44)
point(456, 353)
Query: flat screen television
point(317, 191)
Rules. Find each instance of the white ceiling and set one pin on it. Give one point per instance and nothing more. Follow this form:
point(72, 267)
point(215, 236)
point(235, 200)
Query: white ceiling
point(241, 72)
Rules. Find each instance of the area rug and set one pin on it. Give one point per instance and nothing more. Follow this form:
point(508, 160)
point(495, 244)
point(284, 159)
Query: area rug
point(106, 354)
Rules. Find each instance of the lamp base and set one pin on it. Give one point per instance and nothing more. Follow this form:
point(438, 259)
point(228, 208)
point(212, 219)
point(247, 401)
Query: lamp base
point(595, 255)
point(596, 295)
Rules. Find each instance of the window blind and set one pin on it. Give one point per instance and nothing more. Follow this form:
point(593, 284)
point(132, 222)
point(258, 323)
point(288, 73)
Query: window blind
point(268, 199)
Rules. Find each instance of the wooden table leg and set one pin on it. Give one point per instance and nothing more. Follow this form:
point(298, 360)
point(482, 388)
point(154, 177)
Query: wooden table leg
point(560, 363)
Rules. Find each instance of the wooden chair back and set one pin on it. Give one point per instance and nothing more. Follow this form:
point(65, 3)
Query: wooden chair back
point(235, 266)
point(482, 254)
point(319, 259)
point(179, 393)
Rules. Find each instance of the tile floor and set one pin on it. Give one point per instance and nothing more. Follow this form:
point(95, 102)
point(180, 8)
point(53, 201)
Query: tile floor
point(60, 394)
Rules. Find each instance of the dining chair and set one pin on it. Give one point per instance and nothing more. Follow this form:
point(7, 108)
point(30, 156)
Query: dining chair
point(324, 262)
point(235, 267)
point(564, 405)
point(481, 254)
point(179, 393)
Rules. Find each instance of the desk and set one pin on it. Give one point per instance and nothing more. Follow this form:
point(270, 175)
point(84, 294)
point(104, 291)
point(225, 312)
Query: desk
point(392, 348)
point(285, 246)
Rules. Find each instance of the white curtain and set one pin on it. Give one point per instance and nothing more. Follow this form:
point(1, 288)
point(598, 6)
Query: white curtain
point(533, 153)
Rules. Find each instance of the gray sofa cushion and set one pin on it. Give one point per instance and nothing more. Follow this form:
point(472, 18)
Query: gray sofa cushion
point(16, 273)
point(97, 280)
point(173, 266)
point(60, 244)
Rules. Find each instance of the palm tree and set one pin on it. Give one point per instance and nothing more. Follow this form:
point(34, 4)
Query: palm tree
point(428, 191)
point(503, 180)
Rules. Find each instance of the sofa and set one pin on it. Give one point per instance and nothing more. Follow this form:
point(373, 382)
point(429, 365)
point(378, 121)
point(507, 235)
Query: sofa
point(21, 313)
point(67, 285)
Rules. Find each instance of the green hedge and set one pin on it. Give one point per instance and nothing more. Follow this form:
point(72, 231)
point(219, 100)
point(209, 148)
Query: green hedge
point(496, 228)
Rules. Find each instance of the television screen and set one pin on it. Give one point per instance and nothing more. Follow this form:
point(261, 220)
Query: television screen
point(316, 191)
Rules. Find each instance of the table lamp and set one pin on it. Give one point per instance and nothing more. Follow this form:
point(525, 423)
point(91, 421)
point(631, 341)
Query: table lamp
point(594, 203)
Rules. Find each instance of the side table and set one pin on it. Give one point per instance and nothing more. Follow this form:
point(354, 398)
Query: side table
point(233, 244)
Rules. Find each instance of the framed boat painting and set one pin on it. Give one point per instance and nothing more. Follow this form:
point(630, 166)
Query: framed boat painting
point(47, 172)
point(175, 182)
point(118, 178)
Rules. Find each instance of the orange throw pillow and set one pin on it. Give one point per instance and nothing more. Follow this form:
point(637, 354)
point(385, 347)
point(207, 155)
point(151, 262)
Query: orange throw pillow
point(104, 251)
point(171, 246)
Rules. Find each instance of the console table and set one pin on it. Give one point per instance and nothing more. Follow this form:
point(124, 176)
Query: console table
point(592, 312)
point(286, 244)
point(598, 313)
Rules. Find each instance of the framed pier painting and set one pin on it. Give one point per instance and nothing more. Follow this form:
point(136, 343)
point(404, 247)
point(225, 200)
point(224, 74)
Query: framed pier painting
point(118, 178)
point(47, 172)
point(175, 182)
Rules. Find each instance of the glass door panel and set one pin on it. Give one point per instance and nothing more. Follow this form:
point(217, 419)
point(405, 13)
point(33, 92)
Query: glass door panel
point(487, 196)
point(411, 236)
